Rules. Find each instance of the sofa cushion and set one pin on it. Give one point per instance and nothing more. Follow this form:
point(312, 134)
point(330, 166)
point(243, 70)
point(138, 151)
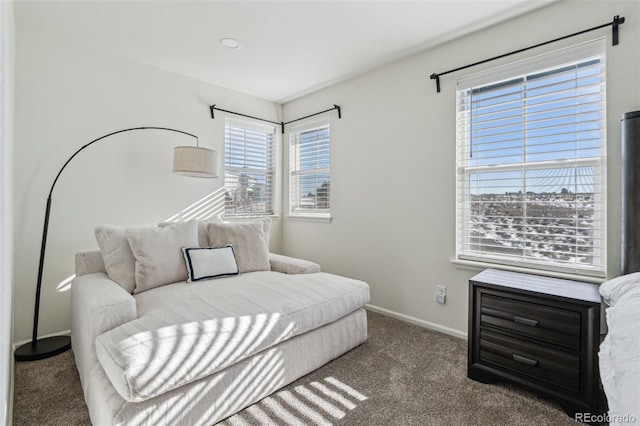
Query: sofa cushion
point(119, 260)
point(249, 243)
point(205, 263)
point(158, 253)
point(188, 332)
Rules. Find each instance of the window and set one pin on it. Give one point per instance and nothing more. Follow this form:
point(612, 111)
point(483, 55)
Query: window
point(248, 177)
point(310, 169)
point(531, 163)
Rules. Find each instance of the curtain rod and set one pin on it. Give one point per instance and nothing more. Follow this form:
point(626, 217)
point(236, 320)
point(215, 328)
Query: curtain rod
point(617, 20)
point(281, 123)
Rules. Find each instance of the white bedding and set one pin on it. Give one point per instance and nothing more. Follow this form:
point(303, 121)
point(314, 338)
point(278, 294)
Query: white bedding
point(620, 351)
point(189, 331)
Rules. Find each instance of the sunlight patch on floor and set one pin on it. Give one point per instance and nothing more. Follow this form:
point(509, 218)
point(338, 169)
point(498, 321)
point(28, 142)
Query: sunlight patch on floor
point(346, 388)
point(320, 402)
point(296, 404)
point(316, 403)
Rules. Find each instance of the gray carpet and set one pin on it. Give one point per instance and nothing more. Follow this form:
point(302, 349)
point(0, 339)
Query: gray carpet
point(403, 375)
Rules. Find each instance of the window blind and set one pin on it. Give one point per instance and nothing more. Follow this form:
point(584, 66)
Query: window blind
point(310, 170)
point(248, 177)
point(531, 168)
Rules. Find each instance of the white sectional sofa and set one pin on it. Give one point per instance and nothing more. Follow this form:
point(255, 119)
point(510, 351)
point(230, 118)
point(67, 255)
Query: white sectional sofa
point(194, 353)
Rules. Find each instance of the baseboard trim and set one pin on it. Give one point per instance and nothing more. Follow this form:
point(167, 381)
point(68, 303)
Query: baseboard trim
point(60, 333)
point(417, 321)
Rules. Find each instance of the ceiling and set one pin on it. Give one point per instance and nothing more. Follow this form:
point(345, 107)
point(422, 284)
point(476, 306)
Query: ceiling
point(288, 48)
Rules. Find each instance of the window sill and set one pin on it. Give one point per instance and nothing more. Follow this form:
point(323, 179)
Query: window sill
point(310, 218)
point(474, 264)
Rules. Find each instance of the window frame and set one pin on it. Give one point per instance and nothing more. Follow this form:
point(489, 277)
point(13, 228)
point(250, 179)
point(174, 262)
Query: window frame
point(554, 60)
point(295, 211)
point(269, 171)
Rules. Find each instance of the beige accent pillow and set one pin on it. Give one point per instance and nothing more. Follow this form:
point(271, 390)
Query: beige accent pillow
point(117, 255)
point(203, 236)
point(266, 228)
point(249, 243)
point(158, 253)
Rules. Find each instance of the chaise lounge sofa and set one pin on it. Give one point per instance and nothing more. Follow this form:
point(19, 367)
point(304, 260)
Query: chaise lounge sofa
point(195, 351)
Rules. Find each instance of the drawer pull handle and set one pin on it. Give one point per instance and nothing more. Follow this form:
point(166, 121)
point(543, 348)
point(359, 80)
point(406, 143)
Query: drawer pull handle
point(524, 360)
point(525, 321)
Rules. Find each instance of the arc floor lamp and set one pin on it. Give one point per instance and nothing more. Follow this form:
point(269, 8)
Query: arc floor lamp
point(193, 161)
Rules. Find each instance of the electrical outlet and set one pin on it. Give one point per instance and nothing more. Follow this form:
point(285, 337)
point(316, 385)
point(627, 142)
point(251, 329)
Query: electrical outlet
point(441, 294)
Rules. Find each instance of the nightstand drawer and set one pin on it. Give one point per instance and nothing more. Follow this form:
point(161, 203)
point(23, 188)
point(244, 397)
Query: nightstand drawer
point(561, 327)
point(536, 362)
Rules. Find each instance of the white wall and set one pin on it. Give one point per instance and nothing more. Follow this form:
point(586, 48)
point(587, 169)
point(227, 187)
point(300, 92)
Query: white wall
point(393, 158)
point(66, 97)
point(7, 33)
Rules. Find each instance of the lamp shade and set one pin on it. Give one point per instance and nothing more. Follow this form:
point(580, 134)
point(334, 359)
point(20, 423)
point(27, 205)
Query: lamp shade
point(195, 161)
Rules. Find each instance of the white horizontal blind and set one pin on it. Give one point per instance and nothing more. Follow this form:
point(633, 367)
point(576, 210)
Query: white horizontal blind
point(248, 177)
point(531, 169)
point(310, 170)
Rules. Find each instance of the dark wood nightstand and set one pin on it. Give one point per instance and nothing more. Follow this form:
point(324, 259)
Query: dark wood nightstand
point(537, 332)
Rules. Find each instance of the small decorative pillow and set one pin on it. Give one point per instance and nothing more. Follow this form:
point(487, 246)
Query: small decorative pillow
point(119, 260)
point(158, 253)
point(204, 263)
point(249, 243)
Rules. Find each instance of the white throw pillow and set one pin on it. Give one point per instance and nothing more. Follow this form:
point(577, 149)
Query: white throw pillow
point(119, 260)
point(204, 263)
point(249, 243)
point(158, 253)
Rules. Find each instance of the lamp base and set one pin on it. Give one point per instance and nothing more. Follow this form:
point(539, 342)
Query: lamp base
point(42, 348)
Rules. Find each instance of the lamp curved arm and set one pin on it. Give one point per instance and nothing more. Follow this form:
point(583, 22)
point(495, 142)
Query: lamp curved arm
point(58, 344)
point(111, 134)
